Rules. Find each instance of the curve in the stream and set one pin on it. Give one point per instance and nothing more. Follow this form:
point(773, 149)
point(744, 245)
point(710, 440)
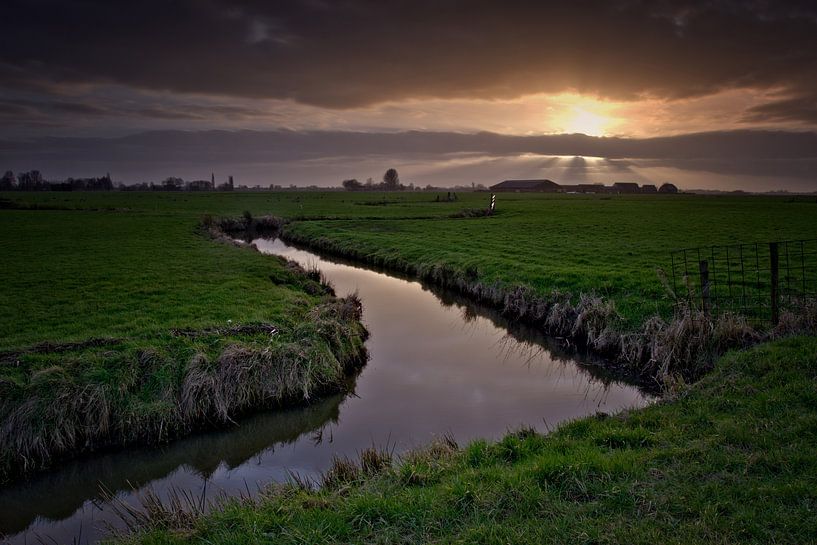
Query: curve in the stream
point(438, 365)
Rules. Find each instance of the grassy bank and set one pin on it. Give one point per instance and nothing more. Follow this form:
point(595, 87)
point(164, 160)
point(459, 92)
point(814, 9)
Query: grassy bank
point(609, 245)
point(136, 271)
point(728, 460)
point(588, 268)
point(126, 325)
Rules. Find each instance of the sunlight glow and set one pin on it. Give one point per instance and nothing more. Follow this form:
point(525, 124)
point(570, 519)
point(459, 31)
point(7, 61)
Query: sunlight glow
point(586, 122)
point(573, 113)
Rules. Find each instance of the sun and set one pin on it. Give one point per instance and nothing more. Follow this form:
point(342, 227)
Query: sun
point(573, 113)
point(586, 122)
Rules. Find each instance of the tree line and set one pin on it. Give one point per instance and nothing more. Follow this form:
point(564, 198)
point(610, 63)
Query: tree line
point(391, 182)
point(33, 181)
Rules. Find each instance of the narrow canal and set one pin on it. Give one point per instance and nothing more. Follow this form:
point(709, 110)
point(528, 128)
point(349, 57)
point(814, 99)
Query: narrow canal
point(438, 365)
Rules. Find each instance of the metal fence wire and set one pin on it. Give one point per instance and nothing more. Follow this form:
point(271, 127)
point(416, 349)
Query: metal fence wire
point(758, 280)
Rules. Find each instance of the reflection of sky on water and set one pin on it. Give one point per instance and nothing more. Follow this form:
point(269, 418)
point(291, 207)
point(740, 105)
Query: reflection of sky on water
point(434, 369)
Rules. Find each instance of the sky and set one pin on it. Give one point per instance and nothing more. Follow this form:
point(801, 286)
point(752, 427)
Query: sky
point(716, 95)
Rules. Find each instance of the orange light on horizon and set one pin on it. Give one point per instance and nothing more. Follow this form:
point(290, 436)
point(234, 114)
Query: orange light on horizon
point(586, 122)
point(572, 113)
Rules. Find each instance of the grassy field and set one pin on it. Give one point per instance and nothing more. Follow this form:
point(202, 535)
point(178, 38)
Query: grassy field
point(175, 312)
point(106, 264)
point(608, 244)
point(728, 460)
point(593, 269)
point(132, 268)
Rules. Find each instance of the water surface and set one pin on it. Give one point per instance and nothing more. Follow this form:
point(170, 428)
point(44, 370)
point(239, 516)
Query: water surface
point(438, 365)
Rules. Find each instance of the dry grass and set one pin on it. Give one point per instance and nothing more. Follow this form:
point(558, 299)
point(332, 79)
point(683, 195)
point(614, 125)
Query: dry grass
point(662, 351)
point(688, 345)
point(314, 361)
point(797, 323)
point(346, 471)
point(247, 226)
point(730, 461)
point(55, 414)
point(178, 512)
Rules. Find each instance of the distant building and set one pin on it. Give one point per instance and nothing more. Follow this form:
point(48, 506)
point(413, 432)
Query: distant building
point(626, 187)
point(229, 185)
point(584, 188)
point(538, 186)
point(199, 185)
point(549, 186)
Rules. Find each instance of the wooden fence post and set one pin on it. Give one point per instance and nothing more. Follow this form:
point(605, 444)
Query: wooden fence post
point(775, 280)
point(703, 267)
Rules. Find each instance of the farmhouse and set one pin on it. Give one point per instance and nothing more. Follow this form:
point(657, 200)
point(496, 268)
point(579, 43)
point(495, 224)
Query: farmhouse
point(549, 186)
point(199, 185)
point(539, 186)
point(625, 187)
point(584, 188)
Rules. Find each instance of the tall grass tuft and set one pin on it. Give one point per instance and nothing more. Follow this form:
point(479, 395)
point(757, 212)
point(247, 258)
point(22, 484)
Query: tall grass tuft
point(315, 359)
point(345, 471)
point(54, 412)
point(179, 511)
point(661, 350)
point(687, 345)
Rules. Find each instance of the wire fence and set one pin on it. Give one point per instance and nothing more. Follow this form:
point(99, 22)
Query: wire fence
point(758, 280)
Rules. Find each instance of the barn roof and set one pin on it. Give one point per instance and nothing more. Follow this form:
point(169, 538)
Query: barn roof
point(525, 184)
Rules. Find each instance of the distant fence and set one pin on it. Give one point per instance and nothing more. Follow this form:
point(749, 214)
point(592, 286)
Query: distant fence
point(758, 280)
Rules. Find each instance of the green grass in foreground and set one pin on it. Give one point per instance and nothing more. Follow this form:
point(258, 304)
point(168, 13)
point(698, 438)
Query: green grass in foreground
point(730, 460)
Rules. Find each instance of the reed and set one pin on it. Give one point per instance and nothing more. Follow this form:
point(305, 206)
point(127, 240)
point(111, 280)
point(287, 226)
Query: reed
point(659, 350)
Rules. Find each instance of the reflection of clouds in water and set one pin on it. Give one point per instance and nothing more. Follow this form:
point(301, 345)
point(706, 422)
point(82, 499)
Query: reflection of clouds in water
point(440, 364)
point(518, 341)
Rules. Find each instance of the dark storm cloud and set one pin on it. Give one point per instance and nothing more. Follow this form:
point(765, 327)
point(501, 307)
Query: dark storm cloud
point(288, 145)
point(353, 53)
point(58, 112)
point(267, 156)
point(24, 109)
point(199, 112)
point(800, 108)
